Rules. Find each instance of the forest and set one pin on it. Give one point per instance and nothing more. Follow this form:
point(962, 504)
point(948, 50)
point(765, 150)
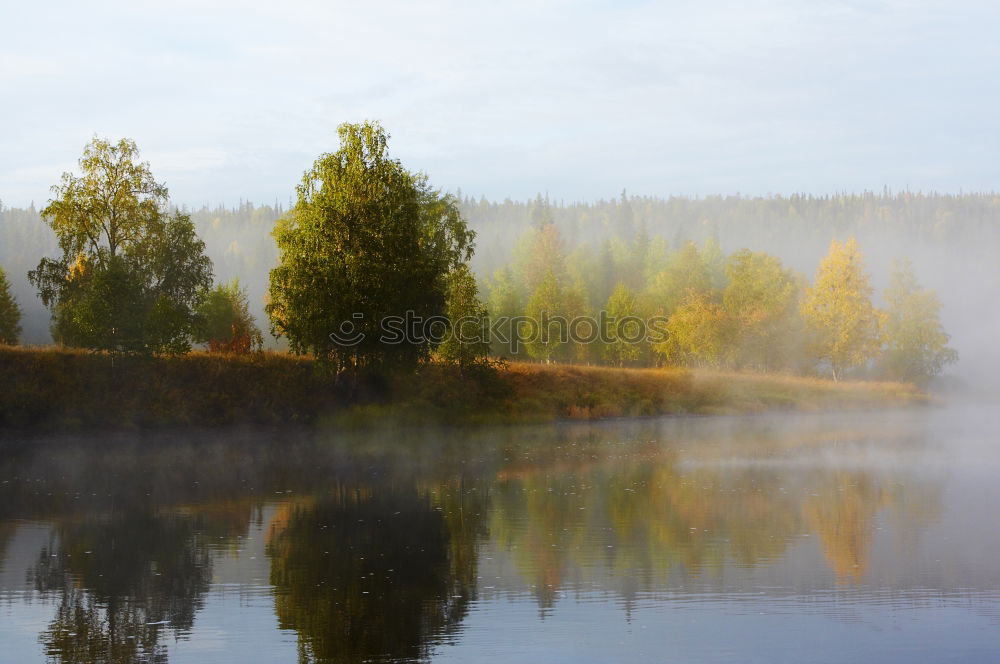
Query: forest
point(808, 285)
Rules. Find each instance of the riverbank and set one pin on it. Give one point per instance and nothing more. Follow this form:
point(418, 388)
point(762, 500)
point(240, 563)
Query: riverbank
point(51, 389)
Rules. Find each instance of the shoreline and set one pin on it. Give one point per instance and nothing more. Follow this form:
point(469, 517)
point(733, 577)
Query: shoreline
point(50, 389)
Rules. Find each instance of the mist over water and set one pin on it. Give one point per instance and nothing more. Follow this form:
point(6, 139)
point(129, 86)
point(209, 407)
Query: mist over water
point(664, 139)
point(863, 537)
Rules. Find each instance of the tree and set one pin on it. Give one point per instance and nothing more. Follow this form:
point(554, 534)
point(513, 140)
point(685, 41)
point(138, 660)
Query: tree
point(916, 343)
point(10, 313)
point(699, 331)
point(367, 240)
point(761, 297)
point(686, 271)
point(583, 266)
point(225, 323)
point(838, 310)
point(621, 348)
point(625, 221)
point(130, 275)
point(557, 295)
point(574, 307)
point(542, 253)
point(466, 344)
point(506, 304)
point(545, 311)
point(715, 262)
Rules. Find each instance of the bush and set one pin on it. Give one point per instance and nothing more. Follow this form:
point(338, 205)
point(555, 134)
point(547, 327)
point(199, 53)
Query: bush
point(224, 322)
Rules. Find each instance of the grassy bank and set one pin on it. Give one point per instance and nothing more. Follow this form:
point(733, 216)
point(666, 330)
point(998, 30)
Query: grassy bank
point(53, 388)
point(50, 389)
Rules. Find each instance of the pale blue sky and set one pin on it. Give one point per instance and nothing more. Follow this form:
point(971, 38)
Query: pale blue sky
point(232, 100)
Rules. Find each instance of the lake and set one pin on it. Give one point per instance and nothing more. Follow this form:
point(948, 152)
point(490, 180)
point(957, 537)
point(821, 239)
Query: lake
point(826, 538)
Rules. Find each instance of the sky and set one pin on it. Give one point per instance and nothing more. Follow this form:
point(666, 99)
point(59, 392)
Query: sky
point(232, 101)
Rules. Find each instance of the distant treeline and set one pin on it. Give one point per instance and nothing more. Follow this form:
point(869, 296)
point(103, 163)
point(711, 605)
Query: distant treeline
point(773, 222)
point(796, 228)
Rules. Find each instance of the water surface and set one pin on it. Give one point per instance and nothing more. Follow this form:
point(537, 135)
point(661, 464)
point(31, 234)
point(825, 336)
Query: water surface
point(833, 538)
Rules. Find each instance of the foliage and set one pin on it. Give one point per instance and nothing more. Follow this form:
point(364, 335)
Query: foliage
point(565, 259)
point(108, 208)
point(761, 297)
point(916, 344)
point(783, 224)
point(959, 229)
point(225, 323)
point(466, 343)
point(715, 262)
point(506, 302)
point(699, 332)
point(366, 240)
point(10, 313)
point(129, 276)
point(838, 310)
point(545, 307)
point(686, 271)
point(622, 347)
point(545, 256)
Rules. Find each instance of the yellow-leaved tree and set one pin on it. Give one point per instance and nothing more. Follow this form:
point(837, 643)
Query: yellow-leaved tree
point(838, 310)
point(762, 298)
point(699, 332)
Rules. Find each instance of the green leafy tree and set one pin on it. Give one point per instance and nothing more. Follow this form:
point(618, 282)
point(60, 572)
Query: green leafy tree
point(505, 304)
point(655, 260)
point(366, 240)
point(838, 310)
point(542, 253)
point(621, 349)
point(545, 309)
point(466, 344)
point(916, 343)
point(686, 271)
point(130, 275)
point(225, 323)
point(583, 267)
point(10, 313)
point(576, 300)
point(761, 297)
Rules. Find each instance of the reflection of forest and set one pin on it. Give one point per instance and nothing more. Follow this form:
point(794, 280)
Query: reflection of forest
point(657, 515)
point(656, 520)
point(365, 573)
point(375, 549)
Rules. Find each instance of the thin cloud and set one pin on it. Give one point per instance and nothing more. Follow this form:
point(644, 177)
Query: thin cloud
point(577, 99)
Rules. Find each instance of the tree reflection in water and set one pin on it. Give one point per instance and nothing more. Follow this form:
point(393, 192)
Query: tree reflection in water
point(375, 546)
point(122, 581)
point(366, 574)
